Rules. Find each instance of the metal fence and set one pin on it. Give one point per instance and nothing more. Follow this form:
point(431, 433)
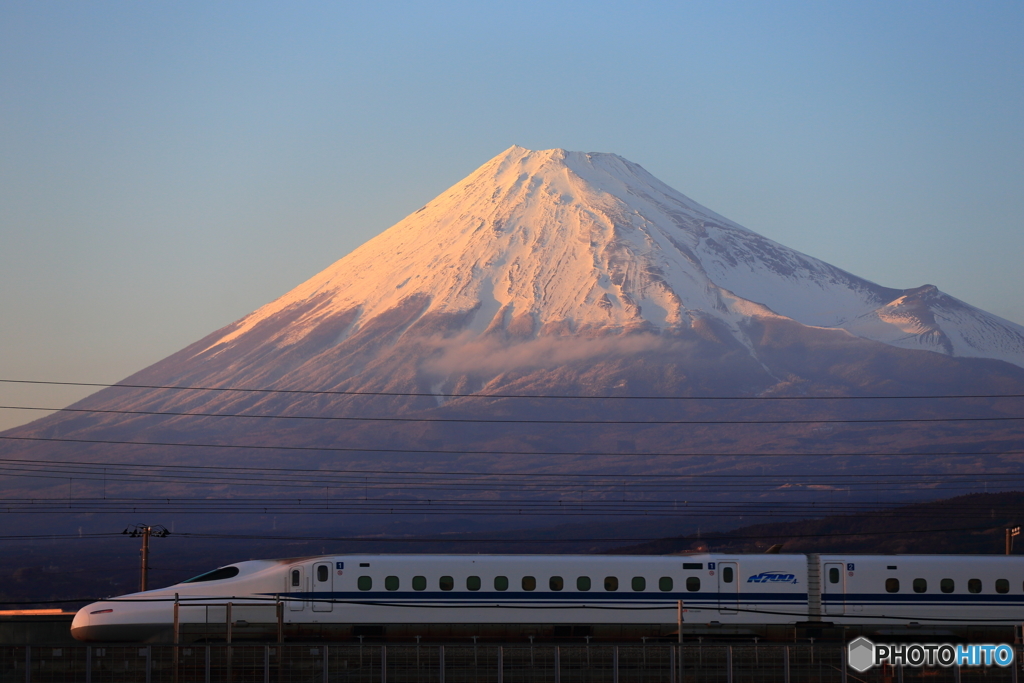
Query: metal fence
point(422, 663)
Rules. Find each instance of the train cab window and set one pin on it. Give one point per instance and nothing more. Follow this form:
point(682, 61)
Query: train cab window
point(638, 583)
point(555, 583)
point(501, 583)
point(727, 576)
point(947, 585)
point(611, 583)
point(364, 583)
point(1002, 586)
point(665, 583)
point(446, 583)
point(529, 583)
point(419, 583)
point(473, 583)
point(322, 573)
point(296, 578)
point(920, 586)
point(583, 583)
point(693, 583)
point(215, 575)
point(391, 583)
point(974, 585)
point(892, 585)
point(833, 574)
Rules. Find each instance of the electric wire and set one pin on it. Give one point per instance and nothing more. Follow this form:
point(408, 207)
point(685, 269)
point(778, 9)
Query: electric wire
point(327, 392)
point(476, 420)
point(278, 471)
point(319, 478)
point(778, 511)
point(513, 541)
point(432, 451)
point(999, 482)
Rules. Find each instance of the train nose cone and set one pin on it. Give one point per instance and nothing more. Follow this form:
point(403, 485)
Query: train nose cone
point(80, 625)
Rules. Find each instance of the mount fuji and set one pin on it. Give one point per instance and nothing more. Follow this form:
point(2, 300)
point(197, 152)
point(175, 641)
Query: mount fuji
point(557, 243)
point(570, 274)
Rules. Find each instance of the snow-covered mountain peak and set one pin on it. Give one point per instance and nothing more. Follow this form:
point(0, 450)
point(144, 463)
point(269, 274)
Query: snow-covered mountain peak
point(555, 242)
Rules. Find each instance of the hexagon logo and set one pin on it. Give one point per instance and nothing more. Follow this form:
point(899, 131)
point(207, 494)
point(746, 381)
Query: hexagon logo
point(860, 654)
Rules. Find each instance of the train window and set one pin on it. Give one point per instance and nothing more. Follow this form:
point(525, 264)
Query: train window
point(446, 583)
point(391, 583)
point(419, 583)
point(693, 565)
point(947, 585)
point(1002, 586)
point(665, 583)
point(501, 583)
point(638, 583)
point(529, 583)
point(692, 583)
point(322, 573)
point(296, 578)
point(974, 585)
point(473, 583)
point(611, 583)
point(215, 575)
point(583, 583)
point(892, 585)
point(833, 574)
point(364, 583)
point(555, 583)
point(727, 575)
point(920, 586)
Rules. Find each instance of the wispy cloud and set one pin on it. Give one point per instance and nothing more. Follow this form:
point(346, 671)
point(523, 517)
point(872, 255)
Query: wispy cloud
point(471, 354)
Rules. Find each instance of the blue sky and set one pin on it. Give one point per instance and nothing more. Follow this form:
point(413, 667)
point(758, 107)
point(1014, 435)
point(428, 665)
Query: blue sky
point(165, 168)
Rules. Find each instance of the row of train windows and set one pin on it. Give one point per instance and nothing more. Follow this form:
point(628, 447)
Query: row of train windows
point(529, 583)
point(892, 585)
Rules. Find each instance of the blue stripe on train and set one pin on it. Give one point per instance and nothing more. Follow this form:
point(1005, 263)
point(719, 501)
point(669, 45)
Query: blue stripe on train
point(922, 599)
point(709, 599)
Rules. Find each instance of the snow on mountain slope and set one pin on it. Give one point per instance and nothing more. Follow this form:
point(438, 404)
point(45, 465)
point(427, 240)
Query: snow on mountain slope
point(554, 242)
point(925, 318)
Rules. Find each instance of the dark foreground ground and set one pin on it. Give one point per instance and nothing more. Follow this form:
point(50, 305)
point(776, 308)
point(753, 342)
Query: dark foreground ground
point(469, 663)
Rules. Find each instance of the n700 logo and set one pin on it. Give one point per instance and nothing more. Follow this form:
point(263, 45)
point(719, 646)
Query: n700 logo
point(772, 577)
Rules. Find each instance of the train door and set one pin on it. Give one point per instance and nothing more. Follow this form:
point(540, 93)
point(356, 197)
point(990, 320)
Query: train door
point(296, 583)
point(323, 583)
point(834, 593)
point(728, 587)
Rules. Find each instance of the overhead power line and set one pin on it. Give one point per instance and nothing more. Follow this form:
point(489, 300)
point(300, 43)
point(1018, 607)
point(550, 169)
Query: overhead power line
point(518, 541)
point(488, 476)
point(412, 481)
point(475, 420)
point(608, 507)
point(691, 537)
point(325, 392)
point(578, 493)
point(434, 451)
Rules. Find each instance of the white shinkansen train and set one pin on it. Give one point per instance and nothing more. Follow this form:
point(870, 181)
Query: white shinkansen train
point(603, 596)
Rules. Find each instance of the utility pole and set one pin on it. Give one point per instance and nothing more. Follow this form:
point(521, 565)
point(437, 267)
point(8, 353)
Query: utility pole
point(144, 577)
point(145, 531)
point(1010, 533)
